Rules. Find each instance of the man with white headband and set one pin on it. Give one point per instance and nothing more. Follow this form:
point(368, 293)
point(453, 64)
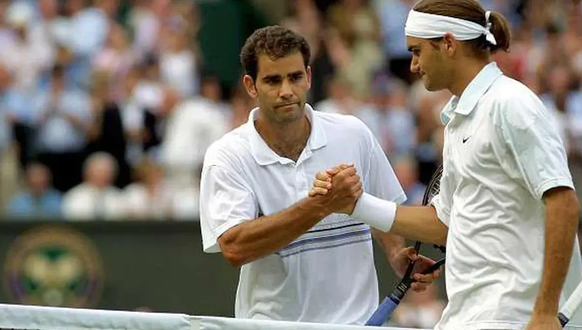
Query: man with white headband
point(507, 207)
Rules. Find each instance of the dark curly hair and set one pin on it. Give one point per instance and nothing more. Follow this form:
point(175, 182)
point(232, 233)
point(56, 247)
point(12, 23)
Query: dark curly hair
point(274, 41)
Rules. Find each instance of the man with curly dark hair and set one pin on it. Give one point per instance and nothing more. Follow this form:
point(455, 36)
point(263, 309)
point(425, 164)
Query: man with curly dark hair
point(303, 258)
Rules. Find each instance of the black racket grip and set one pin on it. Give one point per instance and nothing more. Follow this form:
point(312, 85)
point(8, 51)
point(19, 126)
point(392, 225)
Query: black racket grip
point(434, 267)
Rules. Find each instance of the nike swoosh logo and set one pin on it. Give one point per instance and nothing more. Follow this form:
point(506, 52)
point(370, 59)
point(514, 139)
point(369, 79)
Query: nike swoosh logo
point(467, 138)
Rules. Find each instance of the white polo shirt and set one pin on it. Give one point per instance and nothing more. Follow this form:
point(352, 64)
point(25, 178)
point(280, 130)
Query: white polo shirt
point(327, 275)
point(501, 154)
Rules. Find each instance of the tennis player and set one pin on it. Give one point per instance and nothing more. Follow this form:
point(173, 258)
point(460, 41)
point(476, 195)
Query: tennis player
point(507, 207)
point(303, 259)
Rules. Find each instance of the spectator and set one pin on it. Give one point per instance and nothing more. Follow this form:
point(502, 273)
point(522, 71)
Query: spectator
point(39, 200)
point(429, 130)
point(65, 116)
point(96, 198)
point(148, 92)
point(145, 25)
point(91, 26)
point(406, 171)
point(28, 56)
point(564, 104)
point(192, 125)
point(339, 98)
point(51, 28)
point(149, 197)
point(391, 120)
point(106, 132)
point(115, 59)
point(240, 105)
point(359, 26)
point(133, 114)
point(211, 89)
point(305, 19)
point(178, 64)
point(393, 14)
point(16, 118)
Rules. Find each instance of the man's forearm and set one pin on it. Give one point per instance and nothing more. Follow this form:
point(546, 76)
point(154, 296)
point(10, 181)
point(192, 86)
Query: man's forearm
point(419, 223)
point(254, 239)
point(561, 227)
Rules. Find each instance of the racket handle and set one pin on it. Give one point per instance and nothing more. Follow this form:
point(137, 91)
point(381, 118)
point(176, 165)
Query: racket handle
point(383, 312)
point(563, 319)
point(571, 306)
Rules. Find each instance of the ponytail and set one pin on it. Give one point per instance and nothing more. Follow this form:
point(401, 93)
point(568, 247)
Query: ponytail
point(501, 31)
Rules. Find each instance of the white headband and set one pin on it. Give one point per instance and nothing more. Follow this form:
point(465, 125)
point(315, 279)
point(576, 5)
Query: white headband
point(429, 26)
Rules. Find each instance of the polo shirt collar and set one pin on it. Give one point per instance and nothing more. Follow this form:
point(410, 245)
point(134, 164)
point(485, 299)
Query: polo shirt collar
point(264, 155)
point(465, 104)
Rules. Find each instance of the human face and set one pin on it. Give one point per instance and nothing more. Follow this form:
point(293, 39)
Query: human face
point(280, 88)
point(429, 62)
point(38, 178)
point(559, 80)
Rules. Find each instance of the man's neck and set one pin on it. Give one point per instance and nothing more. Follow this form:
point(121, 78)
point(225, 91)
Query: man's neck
point(287, 140)
point(463, 78)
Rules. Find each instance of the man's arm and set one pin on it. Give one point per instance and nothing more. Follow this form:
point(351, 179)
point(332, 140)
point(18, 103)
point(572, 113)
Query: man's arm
point(419, 223)
point(387, 218)
point(254, 239)
point(251, 240)
point(561, 227)
point(534, 153)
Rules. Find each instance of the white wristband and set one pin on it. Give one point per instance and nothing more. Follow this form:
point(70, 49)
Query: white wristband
point(376, 212)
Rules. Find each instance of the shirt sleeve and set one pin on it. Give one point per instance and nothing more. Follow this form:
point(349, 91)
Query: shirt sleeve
point(531, 140)
point(225, 201)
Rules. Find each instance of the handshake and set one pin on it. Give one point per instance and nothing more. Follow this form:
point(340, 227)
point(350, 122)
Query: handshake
point(337, 188)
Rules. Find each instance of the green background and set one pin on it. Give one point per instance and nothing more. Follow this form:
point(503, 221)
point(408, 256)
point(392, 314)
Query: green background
point(161, 265)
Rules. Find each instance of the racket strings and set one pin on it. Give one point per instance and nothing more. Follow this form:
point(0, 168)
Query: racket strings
point(432, 190)
point(434, 186)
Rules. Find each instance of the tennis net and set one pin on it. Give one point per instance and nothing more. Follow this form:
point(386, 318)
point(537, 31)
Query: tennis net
point(22, 317)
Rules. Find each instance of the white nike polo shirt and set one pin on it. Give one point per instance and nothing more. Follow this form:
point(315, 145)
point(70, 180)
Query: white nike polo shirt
point(501, 154)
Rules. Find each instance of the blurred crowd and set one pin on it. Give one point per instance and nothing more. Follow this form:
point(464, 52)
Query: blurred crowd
point(103, 117)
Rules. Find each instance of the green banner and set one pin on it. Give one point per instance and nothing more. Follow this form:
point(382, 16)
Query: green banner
point(151, 266)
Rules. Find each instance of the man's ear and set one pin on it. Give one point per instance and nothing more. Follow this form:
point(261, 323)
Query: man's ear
point(450, 43)
point(308, 72)
point(250, 86)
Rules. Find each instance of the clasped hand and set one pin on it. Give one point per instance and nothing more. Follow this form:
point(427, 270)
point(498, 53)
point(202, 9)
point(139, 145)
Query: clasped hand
point(347, 188)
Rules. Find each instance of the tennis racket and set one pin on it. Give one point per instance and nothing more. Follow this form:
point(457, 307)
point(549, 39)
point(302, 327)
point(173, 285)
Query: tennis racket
point(571, 306)
point(389, 304)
